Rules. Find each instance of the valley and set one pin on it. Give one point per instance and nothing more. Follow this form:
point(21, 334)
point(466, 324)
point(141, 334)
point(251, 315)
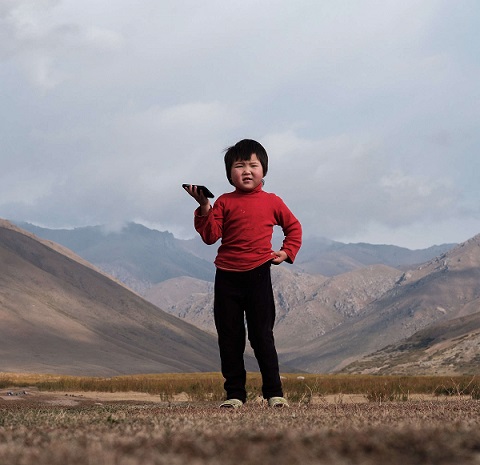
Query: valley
point(362, 316)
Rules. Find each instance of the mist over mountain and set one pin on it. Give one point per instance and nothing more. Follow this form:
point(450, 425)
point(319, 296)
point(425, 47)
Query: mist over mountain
point(136, 255)
point(141, 257)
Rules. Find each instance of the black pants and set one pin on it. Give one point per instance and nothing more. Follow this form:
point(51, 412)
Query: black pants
point(238, 295)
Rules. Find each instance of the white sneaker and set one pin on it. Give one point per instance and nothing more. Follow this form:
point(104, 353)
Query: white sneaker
point(231, 403)
point(278, 402)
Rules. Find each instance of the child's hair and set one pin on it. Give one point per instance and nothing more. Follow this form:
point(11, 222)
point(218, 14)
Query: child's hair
point(244, 150)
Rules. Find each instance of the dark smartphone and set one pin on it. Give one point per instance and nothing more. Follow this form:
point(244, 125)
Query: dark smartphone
point(205, 190)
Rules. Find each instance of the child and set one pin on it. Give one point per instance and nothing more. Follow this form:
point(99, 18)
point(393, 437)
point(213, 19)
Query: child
point(244, 220)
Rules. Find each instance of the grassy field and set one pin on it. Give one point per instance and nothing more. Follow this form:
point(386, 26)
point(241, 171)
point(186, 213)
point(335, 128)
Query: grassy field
point(298, 388)
point(391, 426)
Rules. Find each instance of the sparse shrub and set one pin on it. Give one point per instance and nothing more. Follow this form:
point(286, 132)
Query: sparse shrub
point(459, 387)
point(301, 389)
point(387, 392)
point(5, 382)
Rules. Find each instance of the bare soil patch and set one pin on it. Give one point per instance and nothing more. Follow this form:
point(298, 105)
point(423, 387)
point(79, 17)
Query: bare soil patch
point(32, 396)
point(133, 428)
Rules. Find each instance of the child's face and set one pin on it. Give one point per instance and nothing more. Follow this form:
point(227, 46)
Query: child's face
point(247, 174)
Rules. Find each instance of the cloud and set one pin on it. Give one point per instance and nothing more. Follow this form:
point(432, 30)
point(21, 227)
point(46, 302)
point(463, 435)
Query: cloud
point(41, 46)
point(130, 165)
point(369, 111)
point(349, 182)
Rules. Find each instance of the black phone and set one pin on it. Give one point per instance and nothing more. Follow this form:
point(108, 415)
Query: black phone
point(205, 190)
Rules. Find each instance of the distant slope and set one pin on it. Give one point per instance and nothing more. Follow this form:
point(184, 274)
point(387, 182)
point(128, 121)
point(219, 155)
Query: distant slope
point(141, 257)
point(60, 315)
point(308, 306)
point(443, 289)
point(136, 255)
point(448, 348)
point(187, 298)
point(323, 323)
point(331, 258)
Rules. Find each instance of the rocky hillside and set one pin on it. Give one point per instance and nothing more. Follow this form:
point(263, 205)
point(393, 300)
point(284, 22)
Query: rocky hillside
point(324, 324)
point(308, 306)
point(187, 298)
point(449, 347)
point(441, 290)
point(354, 320)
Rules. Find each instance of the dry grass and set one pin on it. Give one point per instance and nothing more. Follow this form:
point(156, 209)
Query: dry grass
point(125, 434)
point(298, 388)
point(40, 430)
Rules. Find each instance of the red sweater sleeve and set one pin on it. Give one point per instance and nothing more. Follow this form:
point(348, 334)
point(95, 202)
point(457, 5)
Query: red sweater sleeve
point(210, 226)
point(292, 231)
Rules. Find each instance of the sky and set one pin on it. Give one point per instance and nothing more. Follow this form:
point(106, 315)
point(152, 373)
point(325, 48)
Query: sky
point(369, 111)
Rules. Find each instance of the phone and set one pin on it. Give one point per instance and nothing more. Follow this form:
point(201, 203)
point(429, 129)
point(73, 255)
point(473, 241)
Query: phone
point(206, 191)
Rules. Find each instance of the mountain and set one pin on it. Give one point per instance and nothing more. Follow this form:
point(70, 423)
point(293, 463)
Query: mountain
point(187, 298)
point(441, 290)
point(308, 306)
point(136, 255)
point(59, 314)
point(370, 298)
point(330, 258)
point(446, 348)
point(141, 257)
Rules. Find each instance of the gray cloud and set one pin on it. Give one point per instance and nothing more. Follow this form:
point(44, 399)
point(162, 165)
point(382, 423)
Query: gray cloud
point(369, 112)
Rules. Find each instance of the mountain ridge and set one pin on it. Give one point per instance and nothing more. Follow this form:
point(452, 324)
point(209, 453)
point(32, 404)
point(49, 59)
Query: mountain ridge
point(420, 297)
point(59, 314)
point(133, 253)
point(336, 323)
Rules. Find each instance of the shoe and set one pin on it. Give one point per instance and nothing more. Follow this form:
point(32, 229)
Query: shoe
point(278, 402)
point(231, 403)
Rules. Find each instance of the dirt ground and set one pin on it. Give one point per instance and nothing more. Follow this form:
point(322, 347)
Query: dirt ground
point(72, 398)
point(83, 428)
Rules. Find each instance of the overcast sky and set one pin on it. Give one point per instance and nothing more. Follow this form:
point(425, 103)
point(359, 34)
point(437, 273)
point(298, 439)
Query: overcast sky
point(369, 111)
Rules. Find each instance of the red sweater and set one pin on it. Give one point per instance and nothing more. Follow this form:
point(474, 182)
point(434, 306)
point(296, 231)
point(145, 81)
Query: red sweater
point(244, 221)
